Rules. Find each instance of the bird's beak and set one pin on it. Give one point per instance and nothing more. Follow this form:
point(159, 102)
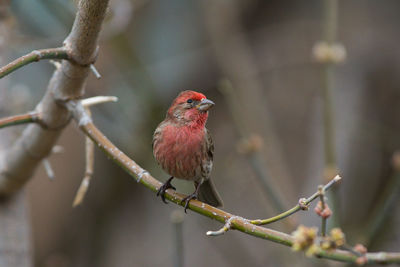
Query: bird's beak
point(205, 104)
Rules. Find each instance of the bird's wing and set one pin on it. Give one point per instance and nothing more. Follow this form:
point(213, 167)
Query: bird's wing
point(207, 162)
point(157, 134)
point(210, 145)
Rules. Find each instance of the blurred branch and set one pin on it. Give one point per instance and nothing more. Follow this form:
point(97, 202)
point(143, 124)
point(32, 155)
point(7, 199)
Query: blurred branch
point(144, 177)
point(177, 218)
point(67, 83)
point(19, 119)
point(329, 53)
point(384, 205)
point(321, 191)
point(330, 25)
point(252, 150)
point(236, 60)
point(36, 55)
point(303, 205)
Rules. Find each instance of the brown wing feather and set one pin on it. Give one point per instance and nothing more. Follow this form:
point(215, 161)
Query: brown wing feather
point(207, 163)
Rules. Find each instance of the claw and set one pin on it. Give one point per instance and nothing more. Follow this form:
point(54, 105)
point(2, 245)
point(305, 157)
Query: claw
point(191, 196)
point(163, 188)
point(187, 200)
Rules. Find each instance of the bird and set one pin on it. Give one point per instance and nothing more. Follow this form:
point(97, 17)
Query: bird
point(183, 147)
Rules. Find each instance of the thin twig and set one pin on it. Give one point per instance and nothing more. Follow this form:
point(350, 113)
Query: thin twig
point(36, 55)
point(329, 34)
point(142, 176)
point(303, 204)
point(323, 218)
point(89, 160)
point(89, 148)
point(19, 119)
point(80, 195)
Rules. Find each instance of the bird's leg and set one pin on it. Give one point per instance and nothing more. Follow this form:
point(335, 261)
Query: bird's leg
point(164, 187)
point(191, 196)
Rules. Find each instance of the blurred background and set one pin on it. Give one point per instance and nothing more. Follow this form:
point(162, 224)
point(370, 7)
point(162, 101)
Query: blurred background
point(254, 60)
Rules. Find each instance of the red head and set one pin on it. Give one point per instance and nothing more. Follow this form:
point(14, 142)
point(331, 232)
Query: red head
point(190, 108)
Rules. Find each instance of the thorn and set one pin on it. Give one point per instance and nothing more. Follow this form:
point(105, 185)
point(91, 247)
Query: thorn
point(95, 72)
point(98, 100)
point(48, 169)
point(57, 149)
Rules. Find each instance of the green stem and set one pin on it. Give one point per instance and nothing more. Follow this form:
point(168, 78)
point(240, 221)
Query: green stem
point(329, 34)
point(323, 219)
point(36, 55)
point(304, 203)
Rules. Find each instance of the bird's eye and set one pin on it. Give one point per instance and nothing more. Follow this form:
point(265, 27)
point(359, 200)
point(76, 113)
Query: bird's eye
point(190, 101)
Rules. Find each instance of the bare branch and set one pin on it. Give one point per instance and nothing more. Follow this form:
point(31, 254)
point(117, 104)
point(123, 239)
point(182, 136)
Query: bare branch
point(144, 177)
point(19, 119)
point(89, 149)
point(67, 83)
point(88, 173)
point(384, 204)
point(177, 218)
point(36, 55)
point(303, 205)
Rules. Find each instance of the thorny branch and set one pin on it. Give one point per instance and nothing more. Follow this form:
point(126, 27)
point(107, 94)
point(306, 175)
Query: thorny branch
point(36, 55)
point(89, 148)
point(144, 177)
point(230, 221)
point(67, 82)
point(35, 143)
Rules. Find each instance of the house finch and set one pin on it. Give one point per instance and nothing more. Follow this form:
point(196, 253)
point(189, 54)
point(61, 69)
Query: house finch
point(183, 147)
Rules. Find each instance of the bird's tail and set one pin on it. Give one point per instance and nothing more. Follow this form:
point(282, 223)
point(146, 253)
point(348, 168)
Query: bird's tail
point(209, 194)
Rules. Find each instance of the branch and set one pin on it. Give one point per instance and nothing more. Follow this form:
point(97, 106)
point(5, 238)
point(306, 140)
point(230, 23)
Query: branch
point(89, 160)
point(67, 83)
point(236, 60)
point(34, 56)
point(252, 150)
point(236, 222)
point(19, 119)
point(384, 204)
point(177, 217)
point(303, 205)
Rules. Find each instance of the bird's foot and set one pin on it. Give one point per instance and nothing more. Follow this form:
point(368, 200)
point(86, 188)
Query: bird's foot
point(187, 199)
point(164, 187)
